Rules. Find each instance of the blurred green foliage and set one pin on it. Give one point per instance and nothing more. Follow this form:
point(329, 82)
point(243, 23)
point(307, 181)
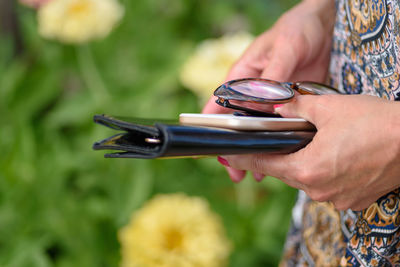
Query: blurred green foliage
point(61, 204)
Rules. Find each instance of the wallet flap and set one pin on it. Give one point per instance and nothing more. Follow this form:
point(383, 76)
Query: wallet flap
point(130, 124)
point(130, 142)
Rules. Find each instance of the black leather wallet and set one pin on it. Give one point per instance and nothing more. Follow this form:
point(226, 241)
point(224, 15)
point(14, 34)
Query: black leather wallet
point(147, 139)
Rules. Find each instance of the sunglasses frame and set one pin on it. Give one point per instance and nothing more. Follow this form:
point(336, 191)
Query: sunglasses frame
point(225, 92)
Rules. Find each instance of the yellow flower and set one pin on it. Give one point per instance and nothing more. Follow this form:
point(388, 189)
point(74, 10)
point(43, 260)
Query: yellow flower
point(174, 231)
point(78, 21)
point(206, 69)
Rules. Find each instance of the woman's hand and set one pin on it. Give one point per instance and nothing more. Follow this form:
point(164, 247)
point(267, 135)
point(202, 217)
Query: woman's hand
point(296, 48)
point(354, 157)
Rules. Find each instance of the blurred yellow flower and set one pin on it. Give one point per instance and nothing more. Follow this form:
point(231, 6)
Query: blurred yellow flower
point(78, 21)
point(174, 231)
point(206, 69)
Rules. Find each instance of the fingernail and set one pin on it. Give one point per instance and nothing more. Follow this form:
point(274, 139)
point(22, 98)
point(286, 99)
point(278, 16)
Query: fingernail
point(223, 161)
point(277, 108)
point(236, 180)
point(258, 176)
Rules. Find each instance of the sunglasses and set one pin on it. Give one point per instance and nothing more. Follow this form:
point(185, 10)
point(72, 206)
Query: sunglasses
point(250, 95)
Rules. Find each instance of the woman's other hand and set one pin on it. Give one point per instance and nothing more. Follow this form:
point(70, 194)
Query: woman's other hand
point(296, 48)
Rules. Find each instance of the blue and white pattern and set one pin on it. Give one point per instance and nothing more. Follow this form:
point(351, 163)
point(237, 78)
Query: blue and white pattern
point(365, 59)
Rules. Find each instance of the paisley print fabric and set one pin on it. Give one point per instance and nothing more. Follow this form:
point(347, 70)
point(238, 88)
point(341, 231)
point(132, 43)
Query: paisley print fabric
point(366, 19)
point(366, 48)
point(365, 59)
point(373, 235)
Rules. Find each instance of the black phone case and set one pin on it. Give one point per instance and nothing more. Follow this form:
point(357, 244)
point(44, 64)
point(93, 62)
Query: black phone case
point(174, 140)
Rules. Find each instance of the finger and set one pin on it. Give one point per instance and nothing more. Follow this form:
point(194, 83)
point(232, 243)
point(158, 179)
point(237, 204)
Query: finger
point(283, 167)
point(307, 107)
point(243, 69)
point(315, 67)
point(282, 62)
point(258, 176)
point(253, 60)
point(250, 64)
point(236, 175)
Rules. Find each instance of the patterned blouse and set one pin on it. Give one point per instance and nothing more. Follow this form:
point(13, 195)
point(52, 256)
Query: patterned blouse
point(365, 60)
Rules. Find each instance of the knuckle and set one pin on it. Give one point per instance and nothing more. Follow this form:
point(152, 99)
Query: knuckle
point(312, 174)
point(313, 107)
point(257, 164)
point(290, 40)
point(321, 102)
point(318, 195)
point(282, 39)
point(324, 100)
point(294, 43)
point(305, 176)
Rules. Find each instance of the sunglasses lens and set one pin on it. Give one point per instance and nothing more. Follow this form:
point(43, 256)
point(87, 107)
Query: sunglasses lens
point(264, 89)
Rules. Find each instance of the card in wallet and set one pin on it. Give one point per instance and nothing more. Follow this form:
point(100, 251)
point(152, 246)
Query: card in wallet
point(148, 139)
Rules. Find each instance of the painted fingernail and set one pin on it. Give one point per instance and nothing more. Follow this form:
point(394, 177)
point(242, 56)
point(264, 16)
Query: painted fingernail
point(223, 161)
point(258, 176)
point(278, 106)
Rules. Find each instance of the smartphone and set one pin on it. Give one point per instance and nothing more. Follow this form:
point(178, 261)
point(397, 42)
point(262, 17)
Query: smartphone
point(245, 123)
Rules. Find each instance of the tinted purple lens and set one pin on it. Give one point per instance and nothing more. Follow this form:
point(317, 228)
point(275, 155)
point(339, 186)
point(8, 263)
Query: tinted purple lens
point(262, 89)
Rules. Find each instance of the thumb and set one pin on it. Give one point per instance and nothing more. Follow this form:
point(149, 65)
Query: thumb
point(302, 106)
point(282, 63)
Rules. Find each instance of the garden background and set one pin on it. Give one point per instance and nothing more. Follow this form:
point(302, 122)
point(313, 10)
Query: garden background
point(61, 203)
